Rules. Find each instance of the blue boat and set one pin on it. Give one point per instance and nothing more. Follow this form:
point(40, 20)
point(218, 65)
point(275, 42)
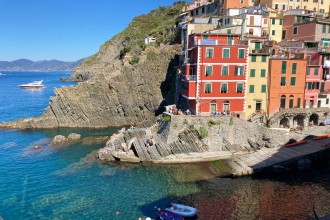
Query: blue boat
point(165, 215)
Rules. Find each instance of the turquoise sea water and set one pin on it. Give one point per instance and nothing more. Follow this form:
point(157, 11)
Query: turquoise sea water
point(69, 183)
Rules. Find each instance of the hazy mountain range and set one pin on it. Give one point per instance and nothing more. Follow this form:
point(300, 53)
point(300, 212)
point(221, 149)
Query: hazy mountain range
point(42, 66)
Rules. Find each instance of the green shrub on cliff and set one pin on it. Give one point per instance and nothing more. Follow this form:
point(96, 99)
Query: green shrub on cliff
point(203, 133)
point(211, 123)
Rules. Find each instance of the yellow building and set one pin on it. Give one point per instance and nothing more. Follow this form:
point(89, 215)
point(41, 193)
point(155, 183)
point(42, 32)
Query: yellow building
point(257, 79)
point(275, 23)
point(320, 6)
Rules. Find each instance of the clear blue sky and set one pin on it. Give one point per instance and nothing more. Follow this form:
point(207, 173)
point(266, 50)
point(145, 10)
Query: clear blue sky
point(65, 30)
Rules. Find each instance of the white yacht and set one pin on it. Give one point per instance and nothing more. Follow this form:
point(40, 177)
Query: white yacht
point(33, 85)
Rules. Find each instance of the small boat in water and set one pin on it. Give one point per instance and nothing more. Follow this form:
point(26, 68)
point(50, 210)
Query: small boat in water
point(165, 215)
point(33, 85)
point(296, 143)
point(320, 137)
point(182, 210)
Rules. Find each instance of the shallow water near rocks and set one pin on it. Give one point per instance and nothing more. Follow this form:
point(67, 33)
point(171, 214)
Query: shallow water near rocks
point(69, 182)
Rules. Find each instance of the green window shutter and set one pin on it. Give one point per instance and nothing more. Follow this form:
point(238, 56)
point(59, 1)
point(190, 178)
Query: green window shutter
point(252, 72)
point(239, 87)
point(273, 20)
point(253, 58)
point(283, 81)
point(226, 53)
point(263, 88)
point(208, 88)
point(324, 28)
point(283, 69)
point(209, 53)
point(230, 40)
point(224, 88)
point(263, 58)
point(294, 68)
point(241, 53)
point(308, 71)
point(298, 102)
point(239, 70)
point(257, 45)
point(316, 71)
point(293, 81)
point(273, 32)
point(225, 70)
point(251, 88)
point(281, 20)
point(208, 70)
point(263, 73)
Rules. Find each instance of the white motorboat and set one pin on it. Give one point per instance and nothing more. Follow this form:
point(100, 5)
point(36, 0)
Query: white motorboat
point(183, 210)
point(33, 85)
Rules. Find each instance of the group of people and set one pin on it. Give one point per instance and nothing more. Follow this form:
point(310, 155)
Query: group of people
point(177, 111)
point(224, 112)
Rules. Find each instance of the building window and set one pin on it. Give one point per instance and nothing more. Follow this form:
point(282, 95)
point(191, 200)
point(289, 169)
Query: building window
point(324, 28)
point(273, 20)
point(205, 37)
point(293, 81)
point(283, 81)
point(316, 71)
point(276, 6)
point(263, 88)
point(251, 89)
point(226, 53)
point(253, 59)
point(239, 87)
point(241, 53)
point(224, 70)
point(294, 68)
point(283, 69)
point(282, 102)
point(209, 70)
point(263, 58)
point(263, 73)
point(228, 31)
point(327, 101)
point(257, 46)
point(308, 71)
point(283, 8)
point(224, 87)
point(209, 52)
point(298, 102)
point(252, 72)
point(291, 101)
point(295, 30)
point(230, 40)
point(208, 88)
point(239, 70)
point(273, 32)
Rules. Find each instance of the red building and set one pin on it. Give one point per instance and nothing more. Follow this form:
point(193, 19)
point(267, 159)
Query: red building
point(214, 73)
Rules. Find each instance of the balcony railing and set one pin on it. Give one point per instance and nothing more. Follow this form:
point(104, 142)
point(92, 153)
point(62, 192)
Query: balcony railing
point(324, 49)
point(189, 77)
point(261, 51)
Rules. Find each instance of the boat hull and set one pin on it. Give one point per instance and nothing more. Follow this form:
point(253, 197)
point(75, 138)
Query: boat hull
point(183, 210)
point(296, 143)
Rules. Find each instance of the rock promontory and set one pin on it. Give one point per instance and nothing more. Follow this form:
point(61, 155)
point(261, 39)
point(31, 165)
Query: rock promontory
point(126, 82)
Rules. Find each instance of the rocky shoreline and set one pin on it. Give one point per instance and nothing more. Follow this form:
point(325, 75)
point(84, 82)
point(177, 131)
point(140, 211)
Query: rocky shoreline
point(181, 140)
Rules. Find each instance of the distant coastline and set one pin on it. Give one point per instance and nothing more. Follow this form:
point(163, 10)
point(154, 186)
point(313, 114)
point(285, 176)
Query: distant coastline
point(25, 65)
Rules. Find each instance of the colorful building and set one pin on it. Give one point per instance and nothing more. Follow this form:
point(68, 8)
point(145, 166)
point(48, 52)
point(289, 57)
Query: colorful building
point(286, 84)
point(214, 74)
point(257, 79)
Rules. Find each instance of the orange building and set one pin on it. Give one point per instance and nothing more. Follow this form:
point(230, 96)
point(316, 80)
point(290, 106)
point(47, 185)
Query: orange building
point(287, 79)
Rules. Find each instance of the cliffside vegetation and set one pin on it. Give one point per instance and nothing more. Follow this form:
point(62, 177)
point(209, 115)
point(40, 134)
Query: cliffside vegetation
point(160, 23)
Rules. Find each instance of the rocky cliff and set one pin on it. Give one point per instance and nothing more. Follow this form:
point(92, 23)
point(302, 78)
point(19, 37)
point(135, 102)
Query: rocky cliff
point(126, 82)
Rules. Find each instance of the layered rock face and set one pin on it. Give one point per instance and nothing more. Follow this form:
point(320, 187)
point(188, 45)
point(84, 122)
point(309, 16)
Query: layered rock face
point(112, 92)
